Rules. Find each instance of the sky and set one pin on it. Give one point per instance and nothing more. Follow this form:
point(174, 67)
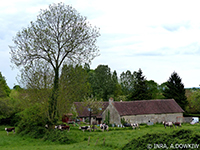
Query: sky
point(158, 36)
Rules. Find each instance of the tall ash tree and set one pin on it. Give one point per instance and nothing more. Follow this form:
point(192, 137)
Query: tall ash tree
point(59, 33)
point(175, 89)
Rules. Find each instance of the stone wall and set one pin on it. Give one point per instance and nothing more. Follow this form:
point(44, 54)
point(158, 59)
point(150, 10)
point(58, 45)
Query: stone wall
point(153, 118)
point(114, 115)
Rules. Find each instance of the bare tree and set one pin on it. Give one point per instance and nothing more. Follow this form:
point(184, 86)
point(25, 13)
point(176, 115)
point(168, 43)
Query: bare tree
point(59, 33)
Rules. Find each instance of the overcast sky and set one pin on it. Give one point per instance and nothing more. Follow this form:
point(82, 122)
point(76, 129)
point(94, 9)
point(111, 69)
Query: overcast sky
point(159, 37)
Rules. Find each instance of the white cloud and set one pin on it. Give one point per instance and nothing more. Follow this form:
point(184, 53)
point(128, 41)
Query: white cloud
point(157, 36)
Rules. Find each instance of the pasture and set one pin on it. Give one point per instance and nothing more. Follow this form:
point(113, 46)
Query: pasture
point(115, 138)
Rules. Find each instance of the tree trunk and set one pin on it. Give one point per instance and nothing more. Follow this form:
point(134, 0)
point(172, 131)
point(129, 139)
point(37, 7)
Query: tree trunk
point(90, 116)
point(53, 113)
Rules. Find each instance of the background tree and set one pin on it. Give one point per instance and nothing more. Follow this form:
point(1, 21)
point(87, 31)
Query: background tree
point(6, 107)
point(101, 82)
point(116, 86)
point(59, 33)
point(74, 86)
point(175, 89)
point(193, 97)
point(155, 89)
point(140, 89)
point(4, 89)
point(126, 81)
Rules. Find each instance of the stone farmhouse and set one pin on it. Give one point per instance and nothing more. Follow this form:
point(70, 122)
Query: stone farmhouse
point(141, 111)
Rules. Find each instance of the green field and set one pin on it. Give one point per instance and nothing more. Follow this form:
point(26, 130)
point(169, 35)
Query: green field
point(116, 138)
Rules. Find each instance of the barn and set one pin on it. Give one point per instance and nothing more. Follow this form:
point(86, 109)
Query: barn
point(143, 111)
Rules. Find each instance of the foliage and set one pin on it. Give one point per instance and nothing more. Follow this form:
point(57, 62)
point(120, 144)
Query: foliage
point(117, 91)
point(74, 86)
point(170, 139)
point(175, 89)
point(32, 120)
point(9, 106)
point(126, 81)
point(193, 102)
point(123, 121)
point(101, 82)
point(107, 118)
point(60, 137)
point(121, 98)
point(154, 89)
point(140, 89)
point(59, 33)
point(4, 89)
point(6, 108)
point(17, 87)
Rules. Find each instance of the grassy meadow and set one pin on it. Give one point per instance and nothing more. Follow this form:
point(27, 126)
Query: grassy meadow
point(115, 138)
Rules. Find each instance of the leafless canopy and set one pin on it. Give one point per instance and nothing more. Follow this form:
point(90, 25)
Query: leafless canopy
point(59, 33)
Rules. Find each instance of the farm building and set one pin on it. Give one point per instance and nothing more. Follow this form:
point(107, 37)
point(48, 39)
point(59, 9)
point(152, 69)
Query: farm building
point(83, 112)
point(143, 111)
point(67, 117)
point(133, 111)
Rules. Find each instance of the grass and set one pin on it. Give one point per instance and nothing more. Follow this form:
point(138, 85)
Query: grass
point(115, 138)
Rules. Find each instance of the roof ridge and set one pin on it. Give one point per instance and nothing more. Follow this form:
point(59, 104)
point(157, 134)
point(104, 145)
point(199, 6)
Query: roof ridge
point(144, 100)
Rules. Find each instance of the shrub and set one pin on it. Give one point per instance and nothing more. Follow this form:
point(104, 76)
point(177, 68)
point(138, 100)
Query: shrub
point(181, 136)
point(32, 121)
point(62, 137)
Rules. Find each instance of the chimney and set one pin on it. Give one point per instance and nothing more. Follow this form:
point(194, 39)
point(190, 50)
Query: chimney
point(111, 100)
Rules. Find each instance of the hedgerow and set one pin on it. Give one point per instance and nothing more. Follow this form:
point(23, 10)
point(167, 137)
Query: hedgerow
point(155, 140)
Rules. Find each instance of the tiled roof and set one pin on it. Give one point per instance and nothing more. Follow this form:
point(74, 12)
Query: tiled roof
point(84, 112)
point(147, 107)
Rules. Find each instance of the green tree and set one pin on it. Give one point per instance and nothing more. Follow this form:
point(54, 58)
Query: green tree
point(116, 86)
point(17, 87)
point(140, 89)
point(193, 101)
point(155, 89)
point(101, 82)
point(58, 34)
point(4, 89)
point(175, 89)
point(87, 67)
point(126, 81)
point(6, 108)
point(74, 86)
